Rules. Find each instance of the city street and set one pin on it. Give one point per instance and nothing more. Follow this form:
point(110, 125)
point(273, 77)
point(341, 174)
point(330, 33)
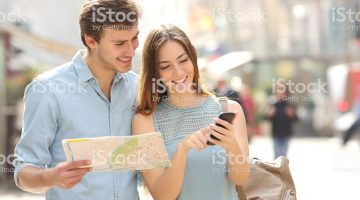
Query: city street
point(320, 167)
point(293, 66)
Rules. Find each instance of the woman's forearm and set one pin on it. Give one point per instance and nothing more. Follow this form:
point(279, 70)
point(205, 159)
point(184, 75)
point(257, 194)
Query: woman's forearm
point(238, 167)
point(169, 184)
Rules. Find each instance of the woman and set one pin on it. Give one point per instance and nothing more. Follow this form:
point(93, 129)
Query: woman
point(172, 102)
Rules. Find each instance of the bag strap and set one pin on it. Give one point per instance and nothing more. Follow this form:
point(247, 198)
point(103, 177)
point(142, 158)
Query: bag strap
point(239, 188)
point(224, 104)
point(241, 192)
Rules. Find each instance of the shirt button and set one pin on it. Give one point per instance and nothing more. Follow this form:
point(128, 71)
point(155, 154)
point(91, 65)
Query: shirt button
point(117, 195)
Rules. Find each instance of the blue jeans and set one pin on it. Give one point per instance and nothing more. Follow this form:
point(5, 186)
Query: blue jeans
point(281, 146)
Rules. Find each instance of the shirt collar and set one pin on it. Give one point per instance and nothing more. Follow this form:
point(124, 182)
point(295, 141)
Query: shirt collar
point(84, 73)
point(119, 76)
point(81, 68)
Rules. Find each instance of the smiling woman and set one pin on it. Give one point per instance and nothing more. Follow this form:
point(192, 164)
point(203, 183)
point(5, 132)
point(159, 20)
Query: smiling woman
point(174, 67)
point(185, 118)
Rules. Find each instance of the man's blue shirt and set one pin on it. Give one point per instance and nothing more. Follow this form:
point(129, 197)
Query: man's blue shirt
point(67, 102)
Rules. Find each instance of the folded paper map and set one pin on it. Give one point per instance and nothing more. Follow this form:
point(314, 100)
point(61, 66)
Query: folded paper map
point(110, 153)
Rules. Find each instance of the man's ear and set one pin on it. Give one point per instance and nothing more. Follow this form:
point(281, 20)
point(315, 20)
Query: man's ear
point(90, 41)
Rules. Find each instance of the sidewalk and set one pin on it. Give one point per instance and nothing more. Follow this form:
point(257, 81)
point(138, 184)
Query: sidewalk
point(321, 168)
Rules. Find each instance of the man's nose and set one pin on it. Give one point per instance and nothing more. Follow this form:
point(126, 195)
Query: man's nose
point(130, 51)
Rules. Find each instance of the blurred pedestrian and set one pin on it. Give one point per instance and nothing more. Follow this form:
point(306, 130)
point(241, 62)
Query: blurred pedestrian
point(356, 125)
point(223, 90)
point(281, 114)
point(249, 110)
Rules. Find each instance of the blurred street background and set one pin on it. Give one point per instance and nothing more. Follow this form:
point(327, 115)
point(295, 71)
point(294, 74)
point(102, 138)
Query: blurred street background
point(245, 49)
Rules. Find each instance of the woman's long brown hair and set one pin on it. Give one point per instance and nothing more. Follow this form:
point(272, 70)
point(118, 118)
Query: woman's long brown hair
point(148, 93)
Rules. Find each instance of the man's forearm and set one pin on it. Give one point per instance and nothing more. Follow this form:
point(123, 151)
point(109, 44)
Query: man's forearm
point(33, 179)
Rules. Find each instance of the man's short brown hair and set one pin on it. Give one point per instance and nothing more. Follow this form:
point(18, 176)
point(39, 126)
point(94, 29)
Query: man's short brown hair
point(97, 15)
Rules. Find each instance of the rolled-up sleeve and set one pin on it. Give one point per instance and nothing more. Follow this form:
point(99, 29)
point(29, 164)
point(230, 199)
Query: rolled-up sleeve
point(39, 128)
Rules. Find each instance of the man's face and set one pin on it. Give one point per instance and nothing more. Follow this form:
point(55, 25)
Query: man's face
point(116, 48)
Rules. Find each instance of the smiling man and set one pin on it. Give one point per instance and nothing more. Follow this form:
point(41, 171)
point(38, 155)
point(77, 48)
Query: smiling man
point(93, 95)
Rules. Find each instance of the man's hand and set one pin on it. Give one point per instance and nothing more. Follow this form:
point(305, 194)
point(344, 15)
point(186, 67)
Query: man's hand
point(67, 174)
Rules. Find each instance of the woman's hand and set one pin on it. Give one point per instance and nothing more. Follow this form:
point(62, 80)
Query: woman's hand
point(226, 135)
point(196, 140)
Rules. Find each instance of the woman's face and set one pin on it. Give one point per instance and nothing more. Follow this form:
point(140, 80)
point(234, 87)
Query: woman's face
point(175, 68)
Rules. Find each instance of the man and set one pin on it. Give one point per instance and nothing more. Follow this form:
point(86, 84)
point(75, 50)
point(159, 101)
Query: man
point(282, 115)
point(91, 96)
point(222, 89)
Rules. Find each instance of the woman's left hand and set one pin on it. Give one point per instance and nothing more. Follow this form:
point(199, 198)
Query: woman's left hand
point(226, 135)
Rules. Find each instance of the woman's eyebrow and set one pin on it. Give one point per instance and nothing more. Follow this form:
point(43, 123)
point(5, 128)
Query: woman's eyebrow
point(181, 55)
point(176, 58)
